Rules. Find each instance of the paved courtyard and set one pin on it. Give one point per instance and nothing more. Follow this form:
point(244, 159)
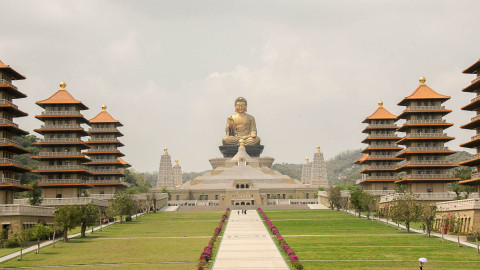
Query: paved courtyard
point(246, 244)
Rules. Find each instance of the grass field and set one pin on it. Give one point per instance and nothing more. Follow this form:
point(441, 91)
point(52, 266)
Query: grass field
point(167, 240)
point(333, 240)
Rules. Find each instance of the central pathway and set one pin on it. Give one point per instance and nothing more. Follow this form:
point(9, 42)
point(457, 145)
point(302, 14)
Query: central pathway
point(246, 244)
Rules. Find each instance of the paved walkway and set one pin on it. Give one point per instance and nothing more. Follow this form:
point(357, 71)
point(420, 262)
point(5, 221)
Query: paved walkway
point(319, 206)
point(246, 244)
point(452, 238)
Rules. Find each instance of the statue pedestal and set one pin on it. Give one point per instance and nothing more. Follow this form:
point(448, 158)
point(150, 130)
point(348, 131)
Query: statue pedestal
point(230, 151)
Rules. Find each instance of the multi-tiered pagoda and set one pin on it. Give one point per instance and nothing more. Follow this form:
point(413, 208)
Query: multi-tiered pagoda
point(426, 158)
point(106, 165)
point(61, 157)
point(474, 124)
point(8, 130)
point(379, 160)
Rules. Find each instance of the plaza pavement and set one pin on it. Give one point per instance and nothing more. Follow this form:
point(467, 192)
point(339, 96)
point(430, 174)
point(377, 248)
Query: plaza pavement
point(246, 244)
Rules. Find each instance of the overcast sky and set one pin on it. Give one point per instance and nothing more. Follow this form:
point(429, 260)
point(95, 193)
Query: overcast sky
point(171, 70)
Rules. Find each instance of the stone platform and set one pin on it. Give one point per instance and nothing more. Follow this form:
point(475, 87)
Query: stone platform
point(230, 151)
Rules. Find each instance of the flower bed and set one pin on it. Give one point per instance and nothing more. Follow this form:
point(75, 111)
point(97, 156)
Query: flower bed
point(206, 255)
point(281, 241)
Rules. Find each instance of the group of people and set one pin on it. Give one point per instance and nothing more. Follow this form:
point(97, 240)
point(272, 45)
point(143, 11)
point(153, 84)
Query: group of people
point(244, 212)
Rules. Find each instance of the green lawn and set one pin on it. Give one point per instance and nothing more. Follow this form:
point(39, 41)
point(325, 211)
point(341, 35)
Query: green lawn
point(325, 239)
point(154, 238)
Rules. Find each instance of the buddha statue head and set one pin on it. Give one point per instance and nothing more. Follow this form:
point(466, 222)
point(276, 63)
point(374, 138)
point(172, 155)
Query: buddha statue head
point(240, 105)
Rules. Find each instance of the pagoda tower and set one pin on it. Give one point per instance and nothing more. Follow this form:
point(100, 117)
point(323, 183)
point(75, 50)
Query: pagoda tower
point(165, 172)
point(474, 124)
point(379, 161)
point(177, 174)
point(426, 158)
point(106, 166)
point(8, 130)
point(318, 176)
point(306, 172)
point(61, 158)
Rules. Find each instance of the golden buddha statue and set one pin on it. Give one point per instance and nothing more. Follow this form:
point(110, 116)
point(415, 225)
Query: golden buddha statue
point(241, 125)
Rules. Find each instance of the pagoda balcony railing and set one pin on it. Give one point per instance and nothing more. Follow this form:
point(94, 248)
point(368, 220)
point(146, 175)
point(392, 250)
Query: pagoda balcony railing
point(468, 204)
point(8, 102)
point(426, 162)
point(381, 156)
point(381, 177)
point(427, 176)
point(62, 167)
point(475, 137)
point(74, 201)
point(4, 121)
point(68, 126)
point(25, 210)
point(57, 154)
point(382, 135)
point(92, 170)
point(475, 175)
point(373, 167)
point(106, 181)
point(61, 113)
point(55, 140)
point(3, 81)
point(390, 145)
point(423, 149)
point(6, 141)
point(475, 98)
point(382, 125)
point(103, 139)
point(105, 160)
point(476, 117)
point(443, 196)
point(104, 150)
point(9, 160)
point(61, 181)
point(426, 121)
point(476, 79)
point(10, 180)
point(426, 135)
point(426, 108)
point(103, 129)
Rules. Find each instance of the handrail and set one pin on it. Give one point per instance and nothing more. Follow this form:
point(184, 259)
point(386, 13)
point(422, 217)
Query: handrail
point(104, 150)
point(62, 167)
point(8, 122)
point(9, 160)
point(27, 210)
point(3, 81)
point(429, 121)
point(382, 135)
point(61, 140)
point(67, 126)
point(382, 125)
point(7, 102)
point(427, 176)
point(103, 129)
point(61, 181)
point(10, 180)
point(426, 135)
point(60, 154)
point(113, 160)
point(426, 108)
point(61, 113)
point(4, 140)
point(103, 139)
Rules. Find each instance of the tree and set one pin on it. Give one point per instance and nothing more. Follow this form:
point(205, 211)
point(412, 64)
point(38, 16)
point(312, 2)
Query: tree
point(405, 208)
point(427, 217)
point(368, 202)
point(357, 200)
point(165, 190)
point(35, 194)
point(122, 204)
point(476, 234)
point(40, 231)
point(67, 217)
point(334, 197)
point(89, 215)
point(21, 237)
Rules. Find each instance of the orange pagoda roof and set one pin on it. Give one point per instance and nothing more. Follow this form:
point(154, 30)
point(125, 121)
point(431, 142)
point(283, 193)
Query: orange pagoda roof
point(124, 163)
point(380, 113)
point(11, 72)
point(104, 117)
point(62, 96)
point(423, 92)
point(362, 159)
point(473, 69)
